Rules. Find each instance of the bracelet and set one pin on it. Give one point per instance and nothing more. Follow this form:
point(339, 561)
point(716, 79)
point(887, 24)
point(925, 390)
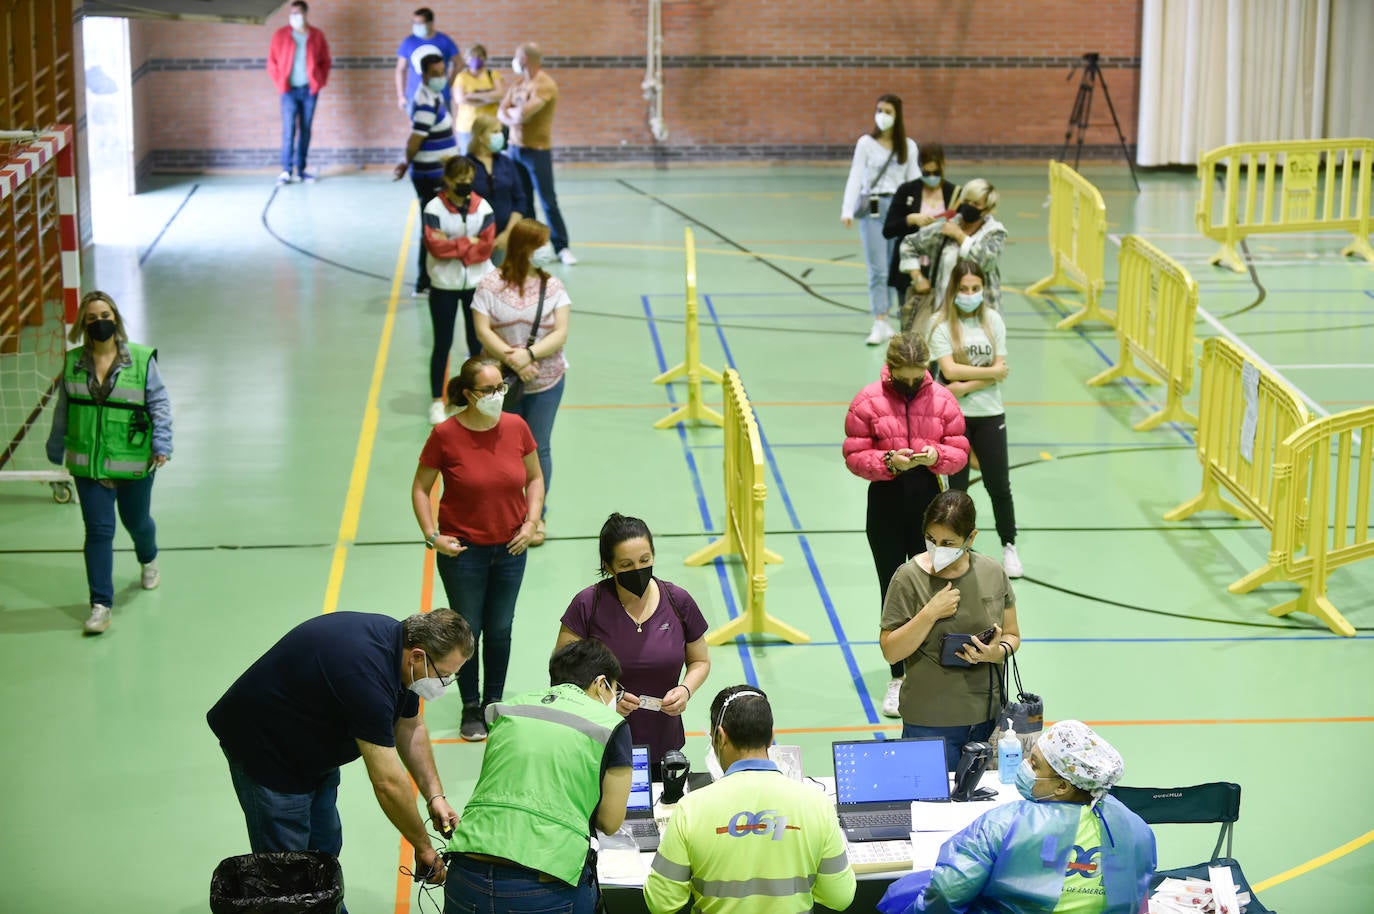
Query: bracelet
point(530, 350)
point(437, 796)
point(683, 685)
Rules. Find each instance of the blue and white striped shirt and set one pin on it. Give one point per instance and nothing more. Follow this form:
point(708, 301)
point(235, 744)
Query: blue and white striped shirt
point(431, 120)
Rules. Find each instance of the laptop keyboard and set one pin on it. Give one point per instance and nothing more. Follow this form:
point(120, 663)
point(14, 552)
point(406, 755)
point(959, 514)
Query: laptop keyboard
point(642, 828)
point(878, 819)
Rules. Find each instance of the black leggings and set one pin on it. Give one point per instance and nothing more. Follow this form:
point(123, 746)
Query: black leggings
point(987, 437)
point(443, 313)
point(896, 525)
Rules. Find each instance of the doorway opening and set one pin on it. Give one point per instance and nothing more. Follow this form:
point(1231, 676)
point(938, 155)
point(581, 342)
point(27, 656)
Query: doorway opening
point(109, 125)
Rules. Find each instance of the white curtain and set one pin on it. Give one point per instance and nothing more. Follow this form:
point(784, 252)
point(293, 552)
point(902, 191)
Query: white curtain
point(1234, 71)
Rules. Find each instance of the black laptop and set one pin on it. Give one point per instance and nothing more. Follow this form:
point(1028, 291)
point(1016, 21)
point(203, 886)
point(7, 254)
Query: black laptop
point(877, 780)
point(639, 811)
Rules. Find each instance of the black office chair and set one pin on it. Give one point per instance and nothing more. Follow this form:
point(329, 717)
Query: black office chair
point(1203, 804)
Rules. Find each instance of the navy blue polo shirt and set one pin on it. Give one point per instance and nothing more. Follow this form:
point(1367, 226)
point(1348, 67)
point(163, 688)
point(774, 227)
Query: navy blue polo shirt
point(295, 714)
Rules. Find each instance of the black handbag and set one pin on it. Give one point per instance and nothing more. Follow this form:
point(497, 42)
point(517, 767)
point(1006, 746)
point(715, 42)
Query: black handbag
point(1027, 712)
point(515, 385)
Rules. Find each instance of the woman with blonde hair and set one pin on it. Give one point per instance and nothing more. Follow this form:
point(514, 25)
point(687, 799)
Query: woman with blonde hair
point(497, 179)
point(902, 432)
point(113, 428)
point(520, 313)
point(969, 341)
point(974, 234)
point(477, 90)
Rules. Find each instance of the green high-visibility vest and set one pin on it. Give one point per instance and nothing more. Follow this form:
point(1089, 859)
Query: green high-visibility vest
point(540, 781)
point(114, 439)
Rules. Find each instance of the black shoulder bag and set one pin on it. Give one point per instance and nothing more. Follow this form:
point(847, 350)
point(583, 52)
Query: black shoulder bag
point(1027, 712)
point(515, 385)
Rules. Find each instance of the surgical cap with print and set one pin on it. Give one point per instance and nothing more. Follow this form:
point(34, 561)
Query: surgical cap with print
point(1081, 757)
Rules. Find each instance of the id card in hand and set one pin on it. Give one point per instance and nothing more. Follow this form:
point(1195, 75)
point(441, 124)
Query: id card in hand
point(646, 703)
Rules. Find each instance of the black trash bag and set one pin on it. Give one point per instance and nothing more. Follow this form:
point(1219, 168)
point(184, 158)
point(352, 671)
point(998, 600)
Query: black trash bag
point(292, 882)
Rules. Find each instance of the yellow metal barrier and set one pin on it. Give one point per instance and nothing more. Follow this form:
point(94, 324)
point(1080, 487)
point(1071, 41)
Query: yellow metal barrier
point(1311, 195)
point(1246, 411)
point(1078, 240)
point(1156, 306)
point(691, 368)
point(745, 492)
point(1313, 529)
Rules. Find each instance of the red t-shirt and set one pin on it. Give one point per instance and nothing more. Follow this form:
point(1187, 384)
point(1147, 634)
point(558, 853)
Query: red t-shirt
point(484, 478)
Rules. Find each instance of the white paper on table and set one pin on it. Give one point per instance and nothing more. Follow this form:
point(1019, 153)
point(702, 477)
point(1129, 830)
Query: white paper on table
point(621, 865)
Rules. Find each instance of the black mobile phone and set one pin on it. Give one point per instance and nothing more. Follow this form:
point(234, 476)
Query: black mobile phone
point(873, 206)
point(952, 644)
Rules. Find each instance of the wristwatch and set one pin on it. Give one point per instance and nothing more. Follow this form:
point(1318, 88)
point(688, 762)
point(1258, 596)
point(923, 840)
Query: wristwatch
point(429, 540)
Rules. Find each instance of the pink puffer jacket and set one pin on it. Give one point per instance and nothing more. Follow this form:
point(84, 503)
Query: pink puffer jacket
point(881, 420)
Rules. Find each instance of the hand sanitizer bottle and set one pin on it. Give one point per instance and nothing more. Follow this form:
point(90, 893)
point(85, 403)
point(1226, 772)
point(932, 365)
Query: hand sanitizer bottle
point(1008, 755)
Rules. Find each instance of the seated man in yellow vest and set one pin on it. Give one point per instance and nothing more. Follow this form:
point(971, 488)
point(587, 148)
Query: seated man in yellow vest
point(756, 840)
point(557, 762)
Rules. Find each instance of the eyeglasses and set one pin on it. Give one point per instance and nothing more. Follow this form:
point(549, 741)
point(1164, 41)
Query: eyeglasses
point(617, 690)
point(444, 681)
point(488, 391)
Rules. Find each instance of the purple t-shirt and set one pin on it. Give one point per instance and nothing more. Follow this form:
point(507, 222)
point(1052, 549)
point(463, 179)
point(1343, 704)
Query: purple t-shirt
point(651, 660)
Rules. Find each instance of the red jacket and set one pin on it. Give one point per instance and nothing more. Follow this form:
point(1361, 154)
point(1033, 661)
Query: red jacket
point(281, 54)
point(881, 420)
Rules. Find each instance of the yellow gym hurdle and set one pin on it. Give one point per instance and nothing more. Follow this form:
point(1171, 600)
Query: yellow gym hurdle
point(691, 368)
point(1312, 195)
point(1246, 412)
point(1314, 469)
point(1156, 305)
point(1078, 240)
point(745, 492)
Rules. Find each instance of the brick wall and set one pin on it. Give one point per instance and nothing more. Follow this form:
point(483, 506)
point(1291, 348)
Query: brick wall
point(744, 78)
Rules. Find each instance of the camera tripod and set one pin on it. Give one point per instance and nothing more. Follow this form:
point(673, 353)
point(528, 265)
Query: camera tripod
point(1082, 108)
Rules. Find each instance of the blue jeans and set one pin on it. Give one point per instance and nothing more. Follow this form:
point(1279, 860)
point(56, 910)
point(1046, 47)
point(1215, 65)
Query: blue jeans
point(877, 255)
point(537, 175)
point(297, 112)
point(98, 504)
point(479, 887)
point(539, 410)
point(482, 584)
point(954, 738)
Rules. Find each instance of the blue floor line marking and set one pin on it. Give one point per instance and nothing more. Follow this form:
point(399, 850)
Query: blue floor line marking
point(1132, 385)
point(726, 589)
point(1330, 638)
point(841, 638)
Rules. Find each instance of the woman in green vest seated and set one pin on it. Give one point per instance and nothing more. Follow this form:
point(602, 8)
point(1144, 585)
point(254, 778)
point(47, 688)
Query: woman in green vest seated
point(557, 762)
point(112, 427)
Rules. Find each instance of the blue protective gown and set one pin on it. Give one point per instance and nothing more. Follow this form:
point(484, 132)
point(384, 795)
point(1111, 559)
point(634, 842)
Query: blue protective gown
point(1012, 860)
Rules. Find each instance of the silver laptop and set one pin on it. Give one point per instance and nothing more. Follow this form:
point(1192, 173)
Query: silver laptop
point(639, 811)
point(877, 780)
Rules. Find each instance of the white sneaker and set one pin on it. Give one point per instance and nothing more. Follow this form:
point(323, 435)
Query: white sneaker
point(284, 178)
point(882, 332)
point(544, 254)
point(1011, 562)
point(437, 412)
point(99, 620)
point(891, 699)
point(151, 575)
point(566, 255)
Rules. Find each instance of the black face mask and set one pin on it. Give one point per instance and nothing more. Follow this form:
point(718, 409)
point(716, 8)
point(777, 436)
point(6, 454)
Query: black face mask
point(969, 213)
point(460, 190)
point(905, 389)
point(636, 580)
point(101, 331)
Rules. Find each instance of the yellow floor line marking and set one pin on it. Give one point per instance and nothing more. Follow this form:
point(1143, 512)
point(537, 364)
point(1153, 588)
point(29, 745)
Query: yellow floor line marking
point(1314, 863)
point(362, 457)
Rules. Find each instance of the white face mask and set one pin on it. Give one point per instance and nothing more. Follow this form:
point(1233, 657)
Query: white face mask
point(517, 66)
point(419, 31)
point(941, 557)
point(884, 120)
point(610, 702)
point(297, 21)
point(490, 405)
point(430, 688)
point(969, 302)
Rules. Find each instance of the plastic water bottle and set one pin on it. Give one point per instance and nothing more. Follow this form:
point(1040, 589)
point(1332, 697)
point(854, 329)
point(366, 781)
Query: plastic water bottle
point(1008, 755)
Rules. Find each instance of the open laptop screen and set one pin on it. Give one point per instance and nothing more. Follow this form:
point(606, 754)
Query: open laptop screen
point(641, 797)
point(890, 770)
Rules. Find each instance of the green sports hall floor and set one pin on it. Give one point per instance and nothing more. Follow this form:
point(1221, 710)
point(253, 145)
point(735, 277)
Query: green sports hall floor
point(298, 378)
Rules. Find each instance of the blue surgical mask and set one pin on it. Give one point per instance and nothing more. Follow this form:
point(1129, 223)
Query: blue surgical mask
point(1025, 782)
point(497, 142)
point(969, 302)
point(437, 84)
point(419, 31)
point(932, 180)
